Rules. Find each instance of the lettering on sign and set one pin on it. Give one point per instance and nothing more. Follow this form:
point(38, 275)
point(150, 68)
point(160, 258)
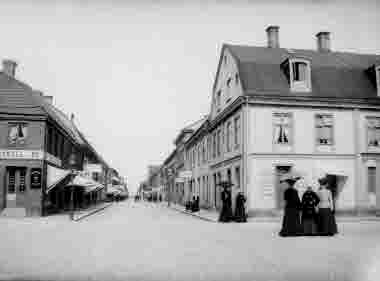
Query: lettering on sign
point(21, 154)
point(36, 178)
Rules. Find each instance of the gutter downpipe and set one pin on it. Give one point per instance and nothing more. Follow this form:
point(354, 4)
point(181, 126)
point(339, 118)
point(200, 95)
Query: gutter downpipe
point(245, 153)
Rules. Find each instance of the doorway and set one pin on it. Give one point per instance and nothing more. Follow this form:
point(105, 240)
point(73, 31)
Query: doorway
point(15, 186)
point(279, 187)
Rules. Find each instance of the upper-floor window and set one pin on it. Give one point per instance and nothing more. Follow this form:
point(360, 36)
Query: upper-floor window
point(373, 131)
point(18, 133)
point(218, 143)
point(237, 131)
point(218, 99)
point(225, 59)
point(237, 79)
point(228, 136)
point(228, 82)
point(214, 145)
point(324, 129)
point(282, 123)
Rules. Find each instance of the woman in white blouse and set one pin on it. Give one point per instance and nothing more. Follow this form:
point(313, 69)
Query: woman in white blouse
point(327, 223)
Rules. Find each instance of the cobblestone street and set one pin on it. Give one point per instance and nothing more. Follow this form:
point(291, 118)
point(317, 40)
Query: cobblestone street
point(147, 241)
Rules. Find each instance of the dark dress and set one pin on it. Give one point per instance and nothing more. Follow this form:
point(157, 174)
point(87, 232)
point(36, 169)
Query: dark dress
point(309, 215)
point(291, 224)
point(226, 212)
point(240, 215)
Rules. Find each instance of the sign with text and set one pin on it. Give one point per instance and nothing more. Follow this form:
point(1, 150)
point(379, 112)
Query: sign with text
point(36, 178)
point(21, 154)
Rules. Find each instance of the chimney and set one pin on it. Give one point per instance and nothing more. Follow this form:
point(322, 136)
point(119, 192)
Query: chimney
point(48, 99)
point(323, 41)
point(272, 35)
point(72, 117)
point(9, 67)
point(39, 93)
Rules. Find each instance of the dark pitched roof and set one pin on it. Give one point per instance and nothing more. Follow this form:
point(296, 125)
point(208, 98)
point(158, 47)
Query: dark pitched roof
point(333, 74)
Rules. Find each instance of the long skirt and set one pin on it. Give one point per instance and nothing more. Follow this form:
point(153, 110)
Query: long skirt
point(291, 224)
point(327, 223)
point(240, 215)
point(309, 226)
point(226, 214)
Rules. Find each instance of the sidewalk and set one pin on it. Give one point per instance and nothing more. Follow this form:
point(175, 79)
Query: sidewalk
point(81, 214)
point(213, 215)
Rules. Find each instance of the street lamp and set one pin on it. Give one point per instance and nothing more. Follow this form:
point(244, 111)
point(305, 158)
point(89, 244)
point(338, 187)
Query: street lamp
point(72, 163)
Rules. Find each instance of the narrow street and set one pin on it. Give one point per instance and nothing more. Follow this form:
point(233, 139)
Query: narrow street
point(148, 241)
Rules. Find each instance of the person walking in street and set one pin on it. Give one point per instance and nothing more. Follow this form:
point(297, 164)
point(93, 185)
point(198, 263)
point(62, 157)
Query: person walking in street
point(226, 212)
point(309, 203)
point(291, 224)
point(327, 224)
point(240, 215)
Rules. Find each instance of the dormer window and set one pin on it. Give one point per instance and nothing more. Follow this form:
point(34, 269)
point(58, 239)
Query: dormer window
point(298, 72)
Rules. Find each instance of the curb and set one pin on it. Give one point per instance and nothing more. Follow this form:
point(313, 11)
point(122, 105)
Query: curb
point(92, 212)
point(193, 214)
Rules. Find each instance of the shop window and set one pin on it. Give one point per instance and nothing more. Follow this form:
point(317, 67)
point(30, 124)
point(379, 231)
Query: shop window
point(18, 133)
point(324, 129)
point(11, 181)
point(22, 185)
point(373, 132)
point(282, 123)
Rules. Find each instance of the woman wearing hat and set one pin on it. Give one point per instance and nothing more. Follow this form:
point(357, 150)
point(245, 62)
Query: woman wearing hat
point(291, 225)
point(327, 223)
point(310, 201)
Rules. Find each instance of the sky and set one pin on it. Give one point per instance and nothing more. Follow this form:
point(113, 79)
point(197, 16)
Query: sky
point(134, 73)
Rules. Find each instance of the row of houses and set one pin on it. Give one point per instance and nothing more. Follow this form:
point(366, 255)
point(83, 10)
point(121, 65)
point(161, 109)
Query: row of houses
point(275, 110)
point(39, 146)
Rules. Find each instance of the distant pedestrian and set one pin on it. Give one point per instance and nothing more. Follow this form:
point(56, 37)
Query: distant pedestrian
point(240, 215)
point(327, 223)
point(291, 224)
point(226, 212)
point(309, 203)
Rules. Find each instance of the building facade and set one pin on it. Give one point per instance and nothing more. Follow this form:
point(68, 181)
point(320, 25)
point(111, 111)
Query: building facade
point(36, 144)
point(275, 110)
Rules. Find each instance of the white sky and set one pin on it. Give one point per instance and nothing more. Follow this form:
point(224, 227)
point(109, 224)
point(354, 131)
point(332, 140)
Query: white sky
point(135, 73)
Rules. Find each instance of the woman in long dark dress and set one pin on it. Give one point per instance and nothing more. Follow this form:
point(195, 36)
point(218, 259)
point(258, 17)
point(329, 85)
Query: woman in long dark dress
point(240, 215)
point(291, 224)
point(226, 212)
point(327, 224)
point(309, 203)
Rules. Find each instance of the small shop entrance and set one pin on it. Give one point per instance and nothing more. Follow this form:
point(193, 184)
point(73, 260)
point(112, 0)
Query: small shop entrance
point(15, 186)
point(279, 187)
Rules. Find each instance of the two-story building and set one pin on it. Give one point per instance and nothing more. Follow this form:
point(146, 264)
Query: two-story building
point(36, 144)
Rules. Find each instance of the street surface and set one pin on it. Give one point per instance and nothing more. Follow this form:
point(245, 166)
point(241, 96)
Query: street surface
point(148, 241)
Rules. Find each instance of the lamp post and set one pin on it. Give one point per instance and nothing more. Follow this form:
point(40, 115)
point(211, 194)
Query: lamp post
point(72, 163)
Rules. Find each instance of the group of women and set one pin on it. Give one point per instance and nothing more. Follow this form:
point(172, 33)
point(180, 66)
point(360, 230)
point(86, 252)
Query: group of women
point(313, 215)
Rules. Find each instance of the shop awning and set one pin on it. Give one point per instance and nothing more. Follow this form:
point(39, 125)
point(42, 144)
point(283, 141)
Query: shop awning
point(55, 176)
point(89, 185)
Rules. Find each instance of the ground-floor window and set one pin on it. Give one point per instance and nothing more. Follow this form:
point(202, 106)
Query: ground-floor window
point(372, 180)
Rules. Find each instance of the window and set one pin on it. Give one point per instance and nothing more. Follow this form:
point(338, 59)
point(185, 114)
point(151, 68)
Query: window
point(237, 79)
point(214, 145)
point(299, 71)
point(229, 177)
point(199, 155)
point(218, 143)
point(228, 82)
point(324, 129)
point(373, 132)
point(22, 186)
point(228, 133)
point(204, 151)
point(378, 80)
point(371, 179)
point(282, 123)
point(237, 131)
point(237, 177)
point(218, 99)
point(11, 181)
point(225, 59)
point(17, 133)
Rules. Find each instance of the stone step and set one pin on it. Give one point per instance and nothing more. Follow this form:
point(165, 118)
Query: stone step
point(13, 213)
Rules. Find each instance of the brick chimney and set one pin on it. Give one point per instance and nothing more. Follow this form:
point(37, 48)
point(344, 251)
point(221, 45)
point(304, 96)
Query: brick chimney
point(273, 36)
point(48, 99)
point(323, 41)
point(9, 67)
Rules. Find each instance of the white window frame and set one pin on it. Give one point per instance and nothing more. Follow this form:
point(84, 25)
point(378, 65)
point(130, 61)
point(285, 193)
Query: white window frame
point(300, 86)
point(371, 147)
point(290, 127)
point(318, 144)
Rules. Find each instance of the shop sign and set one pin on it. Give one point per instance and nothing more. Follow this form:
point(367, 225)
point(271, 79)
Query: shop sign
point(21, 154)
point(36, 178)
point(185, 174)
